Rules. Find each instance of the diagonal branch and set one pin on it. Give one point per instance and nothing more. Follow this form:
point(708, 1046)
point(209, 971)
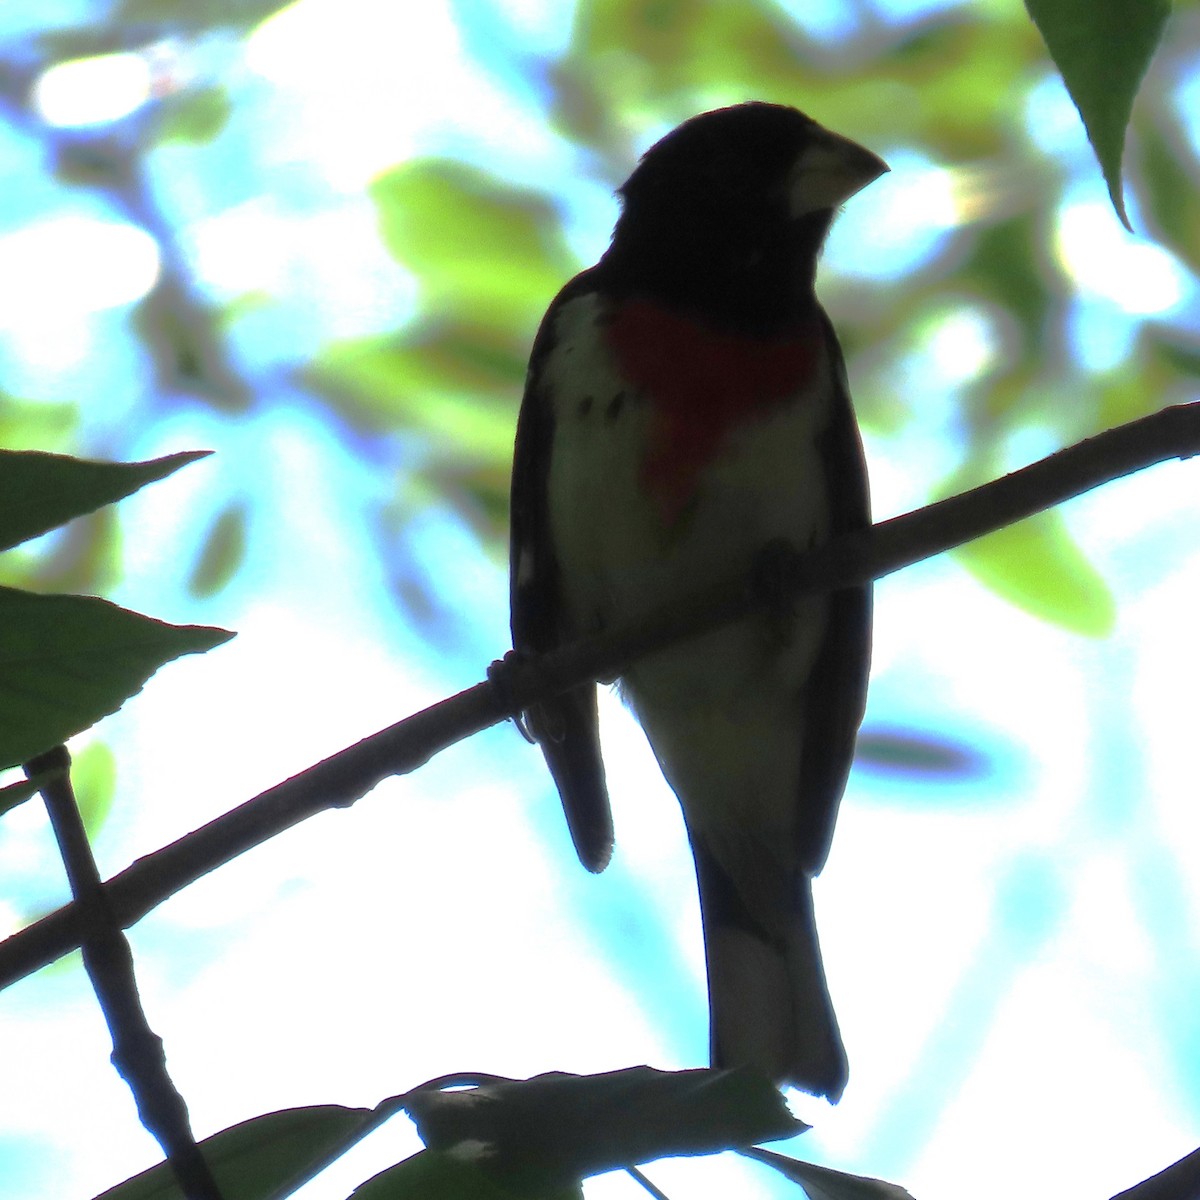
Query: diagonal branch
point(345, 777)
point(1179, 1181)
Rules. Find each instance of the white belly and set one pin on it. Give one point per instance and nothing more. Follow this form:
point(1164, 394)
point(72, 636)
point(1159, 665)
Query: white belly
point(722, 712)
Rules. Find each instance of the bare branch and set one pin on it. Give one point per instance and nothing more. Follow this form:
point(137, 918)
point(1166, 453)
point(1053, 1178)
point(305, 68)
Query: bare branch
point(344, 777)
point(137, 1050)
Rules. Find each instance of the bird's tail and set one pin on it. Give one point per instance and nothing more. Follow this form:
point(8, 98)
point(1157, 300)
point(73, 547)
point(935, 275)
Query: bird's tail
point(769, 1005)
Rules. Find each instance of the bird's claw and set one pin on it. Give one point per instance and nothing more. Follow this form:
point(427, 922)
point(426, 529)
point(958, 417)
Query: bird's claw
point(499, 675)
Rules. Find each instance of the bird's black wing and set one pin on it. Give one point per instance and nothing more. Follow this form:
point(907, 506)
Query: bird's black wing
point(837, 687)
point(567, 726)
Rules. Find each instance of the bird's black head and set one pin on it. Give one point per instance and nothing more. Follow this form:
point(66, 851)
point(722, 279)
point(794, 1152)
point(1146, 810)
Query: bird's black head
point(726, 214)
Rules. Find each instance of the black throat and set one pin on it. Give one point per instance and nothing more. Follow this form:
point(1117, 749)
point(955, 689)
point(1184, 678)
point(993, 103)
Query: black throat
point(752, 276)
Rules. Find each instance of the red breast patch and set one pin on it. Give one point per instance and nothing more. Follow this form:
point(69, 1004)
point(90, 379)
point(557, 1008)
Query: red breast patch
point(701, 382)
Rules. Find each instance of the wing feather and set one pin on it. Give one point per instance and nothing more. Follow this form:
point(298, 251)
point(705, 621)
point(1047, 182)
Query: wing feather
point(566, 727)
point(837, 686)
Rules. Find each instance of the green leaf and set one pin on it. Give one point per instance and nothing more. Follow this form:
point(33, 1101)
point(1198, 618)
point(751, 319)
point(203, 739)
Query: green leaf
point(1102, 49)
point(1182, 358)
point(94, 778)
point(197, 115)
point(1004, 262)
point(39, 492)
point(196, 15)
point(557, 1128)
point(1173, 205)
point(1134, 388)
point(484, 252)
point(432, 1175)
point(244, 305)
point(27, 423)
point(824, 1183)
point(659, 33)
point(1037, 565)
point(260, 1157)
point(222, 554)
point(457, 384)
point(67, 661)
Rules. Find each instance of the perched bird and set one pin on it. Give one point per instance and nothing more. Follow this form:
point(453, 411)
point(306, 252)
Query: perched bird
point(686, 405)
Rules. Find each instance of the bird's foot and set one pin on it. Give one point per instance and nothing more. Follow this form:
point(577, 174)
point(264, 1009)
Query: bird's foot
point(499, 675)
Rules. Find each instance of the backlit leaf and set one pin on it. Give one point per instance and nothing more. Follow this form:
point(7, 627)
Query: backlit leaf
point(257, 1158)
point(1102, 49)
point(196, 15)
point(459, 386)
point(222, 554)
point(67, 661)
point(1039, 567)
point(824, 1183)
point(1171, 190)
point(195, 115)
point(479, 250)
point(39, 492)
point(94, 778)
point(432, 1175)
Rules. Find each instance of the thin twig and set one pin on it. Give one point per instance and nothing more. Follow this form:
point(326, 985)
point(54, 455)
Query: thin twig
point(654, 1191)
point(344, 777)
point(137, 1050)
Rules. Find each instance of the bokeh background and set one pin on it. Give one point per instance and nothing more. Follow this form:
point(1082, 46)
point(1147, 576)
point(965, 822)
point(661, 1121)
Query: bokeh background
point(316, 239)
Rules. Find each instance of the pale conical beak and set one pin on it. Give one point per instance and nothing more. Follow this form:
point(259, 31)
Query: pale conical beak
point(830, 170)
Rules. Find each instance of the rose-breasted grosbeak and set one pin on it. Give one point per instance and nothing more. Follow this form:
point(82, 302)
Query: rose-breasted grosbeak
point(686, 404)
